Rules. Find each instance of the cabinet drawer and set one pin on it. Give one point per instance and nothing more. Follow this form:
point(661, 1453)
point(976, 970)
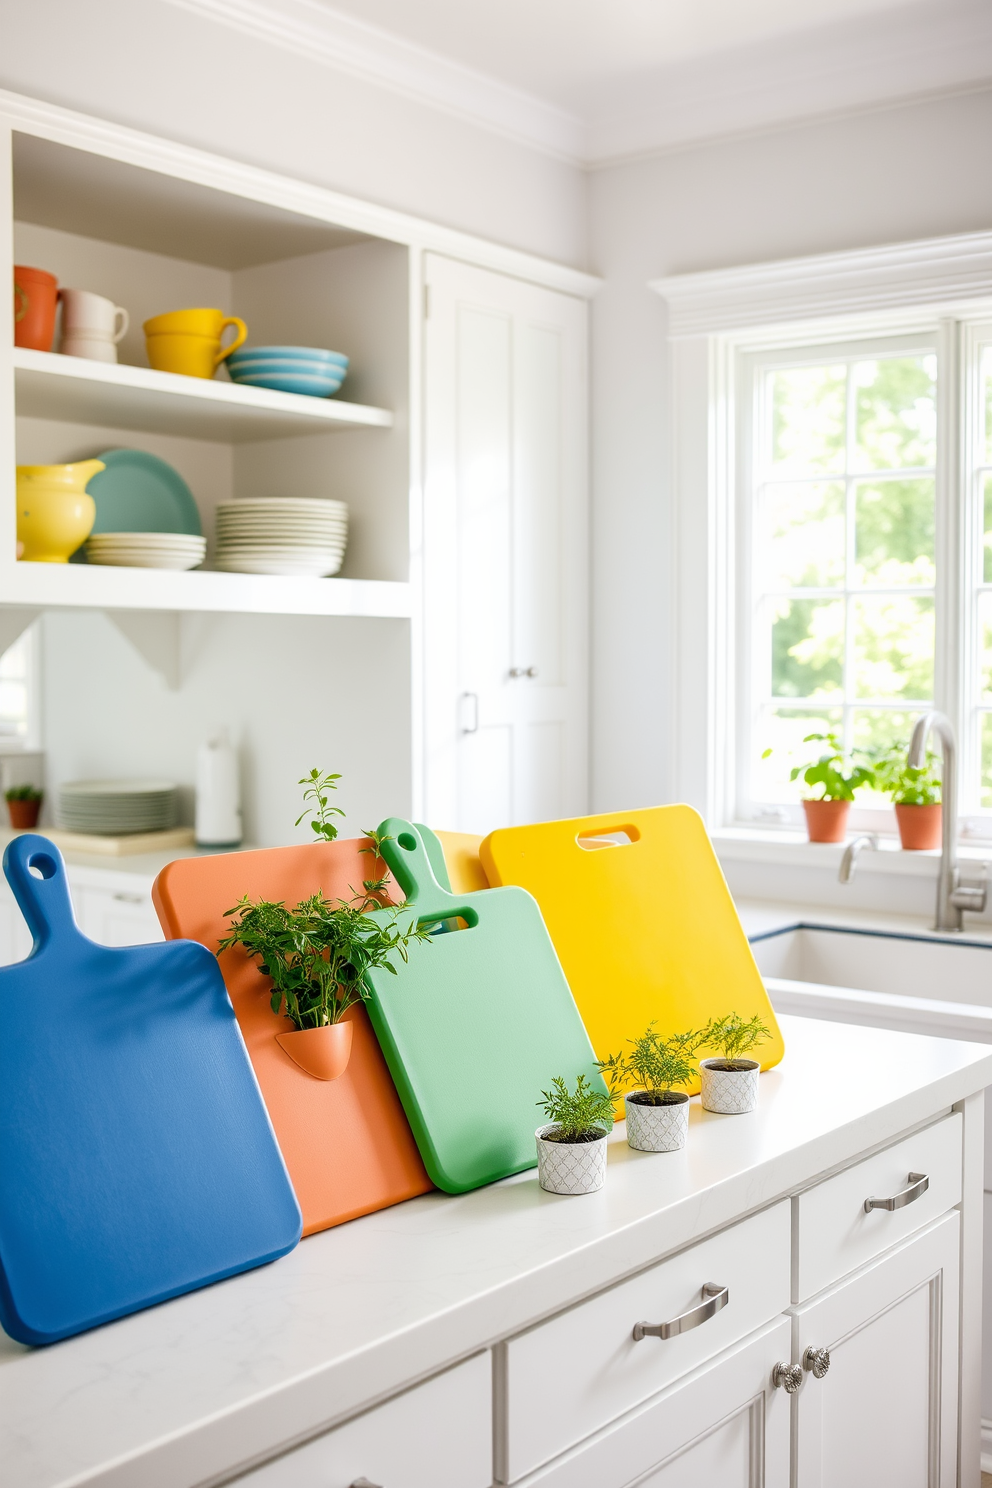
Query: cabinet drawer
point(568, 1377)
point(708, 1432)
point(438, 1435)
point(834, 1233)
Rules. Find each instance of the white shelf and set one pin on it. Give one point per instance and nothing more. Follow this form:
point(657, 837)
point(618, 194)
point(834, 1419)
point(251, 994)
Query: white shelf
point(79, 585)
point(78, 391)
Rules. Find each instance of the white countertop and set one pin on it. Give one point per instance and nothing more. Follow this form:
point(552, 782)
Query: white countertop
point(142, 865)
point(171, 1396)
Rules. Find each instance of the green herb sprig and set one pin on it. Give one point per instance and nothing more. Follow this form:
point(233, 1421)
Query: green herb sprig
point(655, 1064)
point(23, 793)
point(833, 776)
point(321, 812)
point(735, 1036)
point(579, 1114)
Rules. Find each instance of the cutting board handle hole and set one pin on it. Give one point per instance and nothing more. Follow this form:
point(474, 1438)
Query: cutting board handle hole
point(466, 919)
point(610, 837)
point(407, 842)
point(40, 865)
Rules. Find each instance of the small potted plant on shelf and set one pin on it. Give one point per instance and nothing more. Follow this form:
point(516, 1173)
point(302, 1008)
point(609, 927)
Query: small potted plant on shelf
point(24, 806)
point(834, 777)
point(657, 1113)
point(571, 1148)
point(915, 793)
point(730, 1082)
point(319, 953)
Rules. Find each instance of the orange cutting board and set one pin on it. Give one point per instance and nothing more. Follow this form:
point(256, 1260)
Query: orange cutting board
point(346, 1142)
point(644, 928)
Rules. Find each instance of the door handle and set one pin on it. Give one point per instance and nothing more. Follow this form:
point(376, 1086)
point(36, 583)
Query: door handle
point(919, 1183)
point(470, 711)
point(530, 671)
point(715, 1297)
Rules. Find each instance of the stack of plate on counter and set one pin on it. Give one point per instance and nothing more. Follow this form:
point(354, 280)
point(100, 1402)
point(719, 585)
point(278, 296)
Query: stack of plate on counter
point(117, 807)
point(281, 535)
point(146, 549)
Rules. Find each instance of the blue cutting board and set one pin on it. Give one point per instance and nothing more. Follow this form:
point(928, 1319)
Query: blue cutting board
point(476, 1024)
point(138, 1161)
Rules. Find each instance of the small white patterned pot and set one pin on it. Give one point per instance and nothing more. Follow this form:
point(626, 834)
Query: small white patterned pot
point(570, 1167)
point(731, 1092)
point(657, 1128)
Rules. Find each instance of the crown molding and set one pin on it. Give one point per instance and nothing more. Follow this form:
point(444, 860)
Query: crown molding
point(931, 271)
point(152, 152)
point(321, 34)
point(909, 53)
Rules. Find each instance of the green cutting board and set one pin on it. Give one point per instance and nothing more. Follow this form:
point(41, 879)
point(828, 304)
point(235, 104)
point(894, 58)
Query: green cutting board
point(476, 1024)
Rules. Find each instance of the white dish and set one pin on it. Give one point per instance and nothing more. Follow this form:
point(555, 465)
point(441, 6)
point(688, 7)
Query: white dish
point(291, 567)
point(177, 564)
point(283, 503)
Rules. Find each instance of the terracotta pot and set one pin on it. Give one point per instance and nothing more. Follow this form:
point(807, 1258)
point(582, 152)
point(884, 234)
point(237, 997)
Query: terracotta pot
point(919, 827)
point(35, 298)
point(24, 814)
point(322, 1052)
point(826, 821)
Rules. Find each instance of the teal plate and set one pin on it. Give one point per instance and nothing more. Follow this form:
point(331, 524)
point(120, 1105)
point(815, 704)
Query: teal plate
point(139, 492)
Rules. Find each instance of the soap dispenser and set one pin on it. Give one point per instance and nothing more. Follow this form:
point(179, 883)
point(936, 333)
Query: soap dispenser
point(218, 794)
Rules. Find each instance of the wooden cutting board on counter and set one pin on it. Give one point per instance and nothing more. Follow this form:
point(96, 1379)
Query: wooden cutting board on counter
point(138, 1161)
point(347, 1144)
point(642, 919)
point(476, 1025)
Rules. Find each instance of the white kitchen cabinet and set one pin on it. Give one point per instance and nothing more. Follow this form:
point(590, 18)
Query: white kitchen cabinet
point(505, 549)
point(722, 1426)
point(117, 916)
point(885, 1411)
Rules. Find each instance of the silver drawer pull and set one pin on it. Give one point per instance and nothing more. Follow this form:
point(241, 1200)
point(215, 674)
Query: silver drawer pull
point(714, 1297)
point(919, 1183)
point(787, 1377)
point(364, 1483)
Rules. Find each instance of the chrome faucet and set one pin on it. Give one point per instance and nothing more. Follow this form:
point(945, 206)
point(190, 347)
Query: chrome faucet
point(953, 896)
point(849, 861)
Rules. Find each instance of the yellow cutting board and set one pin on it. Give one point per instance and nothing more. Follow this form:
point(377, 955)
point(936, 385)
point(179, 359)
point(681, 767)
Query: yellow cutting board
point(461, 858)
point(645, 929)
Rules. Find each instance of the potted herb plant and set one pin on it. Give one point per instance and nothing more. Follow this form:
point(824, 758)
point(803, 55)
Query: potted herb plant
point(571, 1148)
point(657, 1113)
point(832, 780)
point(916, 796)
point(320, 952)
point(23, 806)
point(730, 1082)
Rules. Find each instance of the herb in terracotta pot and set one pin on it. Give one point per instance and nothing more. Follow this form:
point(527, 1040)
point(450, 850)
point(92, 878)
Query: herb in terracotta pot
point(319, 954)
point(571, 1148)
point(657, 1114)
point(831, 780)
point(24, 806)
point(730, 1082)
point(915, 793)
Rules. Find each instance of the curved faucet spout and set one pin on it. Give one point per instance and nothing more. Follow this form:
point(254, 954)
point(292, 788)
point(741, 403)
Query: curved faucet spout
point(952, 896)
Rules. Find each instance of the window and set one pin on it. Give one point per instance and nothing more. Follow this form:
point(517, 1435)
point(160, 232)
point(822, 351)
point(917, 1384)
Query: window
point(16, 691)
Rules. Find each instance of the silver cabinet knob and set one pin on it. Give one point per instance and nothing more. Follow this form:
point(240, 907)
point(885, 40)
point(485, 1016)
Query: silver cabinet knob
point(816, 1361)
point(530, 671)
point(787, 1377)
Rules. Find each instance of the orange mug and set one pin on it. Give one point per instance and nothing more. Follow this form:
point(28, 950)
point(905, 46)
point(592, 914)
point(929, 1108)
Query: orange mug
point(35, 298)
point(189, 341)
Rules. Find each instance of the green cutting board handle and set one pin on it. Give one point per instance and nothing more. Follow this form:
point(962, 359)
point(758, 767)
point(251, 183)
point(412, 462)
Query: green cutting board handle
point(406, 857)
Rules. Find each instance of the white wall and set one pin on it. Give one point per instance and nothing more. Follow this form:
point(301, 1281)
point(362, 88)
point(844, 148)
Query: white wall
point(158, 67)
point(916, 171)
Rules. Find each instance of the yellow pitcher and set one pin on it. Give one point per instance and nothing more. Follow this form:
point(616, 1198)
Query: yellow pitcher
point(54, 514)
point(188, 341)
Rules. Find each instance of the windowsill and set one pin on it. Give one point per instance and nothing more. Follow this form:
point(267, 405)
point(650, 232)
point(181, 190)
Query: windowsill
point(792, 849)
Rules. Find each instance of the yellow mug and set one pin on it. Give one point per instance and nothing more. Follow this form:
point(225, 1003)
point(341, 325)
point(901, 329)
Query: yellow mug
point(188, 341)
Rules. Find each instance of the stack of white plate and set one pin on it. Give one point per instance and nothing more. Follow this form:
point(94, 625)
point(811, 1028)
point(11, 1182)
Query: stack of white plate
point(281, 535)
point(146, 549)
point(115, 808)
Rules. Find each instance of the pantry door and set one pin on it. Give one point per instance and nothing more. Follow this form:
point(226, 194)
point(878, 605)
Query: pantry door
point(505, 554)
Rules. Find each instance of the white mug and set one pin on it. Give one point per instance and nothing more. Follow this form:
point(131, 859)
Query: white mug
point(91, 325)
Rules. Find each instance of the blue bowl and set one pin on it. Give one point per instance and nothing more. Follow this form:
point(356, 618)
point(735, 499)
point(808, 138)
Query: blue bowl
point(288, 353)
point(286, 364)
point(310, 385)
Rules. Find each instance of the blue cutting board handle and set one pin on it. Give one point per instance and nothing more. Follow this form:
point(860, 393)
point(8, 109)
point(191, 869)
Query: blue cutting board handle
point(138, 1158)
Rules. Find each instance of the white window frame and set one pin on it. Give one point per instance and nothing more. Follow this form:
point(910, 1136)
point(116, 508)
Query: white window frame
point(751, 365)
point(939, 287)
